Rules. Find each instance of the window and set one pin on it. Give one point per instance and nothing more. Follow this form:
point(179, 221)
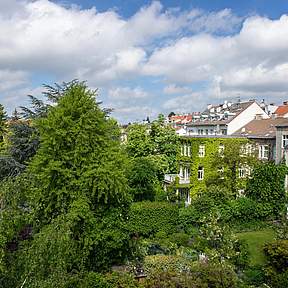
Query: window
point(263, 152)
point(207, 131)
point(185, 150)
point(201, 151)
point(184, 172)
point(284, 141)
point(200, 173)
point(200, 131)
point(189, 151)
point(241, 193)
point(246, 150)
point(241, 171)
point(223, 131)
point(221, 150)
point(244, 171)
point(221, 172)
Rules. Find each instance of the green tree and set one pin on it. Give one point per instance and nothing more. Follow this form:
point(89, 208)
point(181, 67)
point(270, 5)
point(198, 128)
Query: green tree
point(143, 179)
point(78, 195)
point(3, 126)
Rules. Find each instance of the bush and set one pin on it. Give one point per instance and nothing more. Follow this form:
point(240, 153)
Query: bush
point(148, 218)
point(277, 268)
point(176, 271)
point(268, 186)
point(246, 209)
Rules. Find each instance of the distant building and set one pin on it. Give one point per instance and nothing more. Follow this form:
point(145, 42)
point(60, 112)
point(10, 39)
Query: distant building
point(225, 119)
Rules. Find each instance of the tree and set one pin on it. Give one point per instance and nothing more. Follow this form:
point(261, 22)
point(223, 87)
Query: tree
point(143, 179)
point(156, 139)
point(78, 195)
point(3, 126)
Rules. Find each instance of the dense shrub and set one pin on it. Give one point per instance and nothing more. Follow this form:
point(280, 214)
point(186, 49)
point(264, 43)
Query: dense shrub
point(268, 186)
point(148, 218)
point(277, 267)
point(176, 271)
point(245, 209)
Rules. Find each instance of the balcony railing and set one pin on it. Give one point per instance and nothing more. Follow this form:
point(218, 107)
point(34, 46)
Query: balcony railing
point(170, 178)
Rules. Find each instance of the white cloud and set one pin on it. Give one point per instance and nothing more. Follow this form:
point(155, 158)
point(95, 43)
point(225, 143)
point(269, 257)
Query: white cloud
point(186, 103)
point(174, 89)
point(127, 93)
point(10, 80)
point(255, 60)
point(170, 45)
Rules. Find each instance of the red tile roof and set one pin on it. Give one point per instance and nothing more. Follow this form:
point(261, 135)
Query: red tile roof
point(282, 110)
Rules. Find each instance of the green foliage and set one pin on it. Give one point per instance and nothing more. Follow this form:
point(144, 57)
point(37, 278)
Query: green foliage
point(267, 186)
point(3, 126)
point(148, 218)
point(14, 226)
point(213, 161)
point(277, 267)
point(157, 140)
point(245, 209)
point(76, 199)
point(176, 271)
point(23, 141)
point(143, 178)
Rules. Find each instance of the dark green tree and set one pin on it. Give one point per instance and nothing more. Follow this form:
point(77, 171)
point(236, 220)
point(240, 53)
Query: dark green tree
point(3, 126)
point(78, 195)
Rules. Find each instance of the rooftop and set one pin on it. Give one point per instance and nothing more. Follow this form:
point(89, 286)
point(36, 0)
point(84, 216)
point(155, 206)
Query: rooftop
point(262, 128)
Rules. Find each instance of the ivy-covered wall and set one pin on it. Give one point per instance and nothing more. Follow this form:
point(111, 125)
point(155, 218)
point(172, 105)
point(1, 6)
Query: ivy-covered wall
point(207, 162)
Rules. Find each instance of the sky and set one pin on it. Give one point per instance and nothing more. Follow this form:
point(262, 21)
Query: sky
point(146, 57)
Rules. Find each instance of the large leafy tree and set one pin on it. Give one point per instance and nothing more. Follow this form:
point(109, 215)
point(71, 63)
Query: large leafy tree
point(152, 149)
point(78, 197)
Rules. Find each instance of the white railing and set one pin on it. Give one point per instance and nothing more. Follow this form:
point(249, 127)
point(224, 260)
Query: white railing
point(184, 180)
point(171, 178)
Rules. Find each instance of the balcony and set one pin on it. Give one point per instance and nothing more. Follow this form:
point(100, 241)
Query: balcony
point(170, 178)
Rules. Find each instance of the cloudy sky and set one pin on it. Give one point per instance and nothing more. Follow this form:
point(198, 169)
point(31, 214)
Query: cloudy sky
point(146, 57)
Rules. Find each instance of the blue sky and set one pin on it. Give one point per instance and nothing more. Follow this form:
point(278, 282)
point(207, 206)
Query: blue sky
point(146, 57)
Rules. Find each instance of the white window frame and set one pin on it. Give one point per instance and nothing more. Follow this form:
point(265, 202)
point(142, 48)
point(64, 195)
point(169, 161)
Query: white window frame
point(241, 172)
point(200, 175)
point(221, 172)
point(221, 149)
point(201, 151)
point(284, 141)
point(263, 152)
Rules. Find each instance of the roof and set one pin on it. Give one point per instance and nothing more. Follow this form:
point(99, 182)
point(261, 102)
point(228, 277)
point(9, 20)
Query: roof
point(263, 128)
point(232, 111)
point(281, 110)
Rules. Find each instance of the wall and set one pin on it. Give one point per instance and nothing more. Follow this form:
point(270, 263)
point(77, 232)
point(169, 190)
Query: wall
point(245, 117)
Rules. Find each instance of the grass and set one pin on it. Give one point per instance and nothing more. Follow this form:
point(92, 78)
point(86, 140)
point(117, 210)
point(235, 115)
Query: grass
point(255, 241)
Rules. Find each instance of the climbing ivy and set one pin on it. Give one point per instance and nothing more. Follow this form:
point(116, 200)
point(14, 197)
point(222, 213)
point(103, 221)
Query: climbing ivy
point(212, 161)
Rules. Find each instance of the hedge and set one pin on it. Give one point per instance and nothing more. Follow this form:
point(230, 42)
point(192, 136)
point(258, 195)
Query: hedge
point(147, 218)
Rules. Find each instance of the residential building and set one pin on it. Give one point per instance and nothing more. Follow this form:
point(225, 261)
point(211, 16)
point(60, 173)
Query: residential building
point(225, 119)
